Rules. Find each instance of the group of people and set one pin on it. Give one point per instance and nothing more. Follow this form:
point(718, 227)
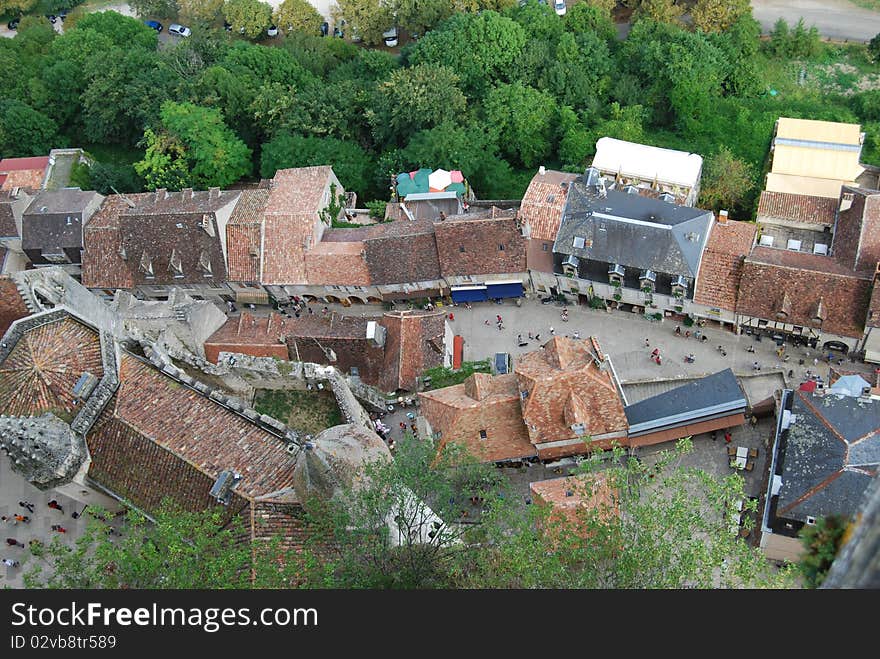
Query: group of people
point(15, 543)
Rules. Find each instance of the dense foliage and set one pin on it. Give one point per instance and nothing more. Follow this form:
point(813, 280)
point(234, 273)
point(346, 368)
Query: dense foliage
point(491, 87)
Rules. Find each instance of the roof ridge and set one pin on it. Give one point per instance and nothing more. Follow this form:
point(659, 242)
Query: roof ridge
point(806, 495)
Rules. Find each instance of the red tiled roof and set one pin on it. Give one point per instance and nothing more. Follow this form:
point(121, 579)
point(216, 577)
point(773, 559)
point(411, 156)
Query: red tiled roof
point(18, 164)
point(39, 374)
point(460, 418)
point(570, 493)
point(804, 286)
point(23, 172)
point(260, 336)
point(565, 386)
point(796, 208)
point(295, 199)
point(12, 307)
point(337, 264)
point(203, 434)
point(474, 247)
point(721, 266)
point(413, 344)
point(544, 202)
point(243, 236)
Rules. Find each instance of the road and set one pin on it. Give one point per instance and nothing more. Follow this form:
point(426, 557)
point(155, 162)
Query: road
point(836, 19)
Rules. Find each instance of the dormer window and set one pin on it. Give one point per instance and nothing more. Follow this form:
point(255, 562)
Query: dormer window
point(174, 264)
point(122, 253)
point(647, 281)
point(207, 224)
point(570, 266)
point(615, 274)
point(679, 287)
point(146, 266)
point(205, 264)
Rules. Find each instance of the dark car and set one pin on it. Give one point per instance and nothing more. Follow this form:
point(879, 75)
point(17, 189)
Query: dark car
point(13, 24)
point(156, 25)
point(52, 18)
point(325, 28)
point(227, 26)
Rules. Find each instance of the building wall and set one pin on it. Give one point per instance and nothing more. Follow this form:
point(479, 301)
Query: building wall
point(360, 353)
point(278, 350)
point(847, 231)
point(539, 259)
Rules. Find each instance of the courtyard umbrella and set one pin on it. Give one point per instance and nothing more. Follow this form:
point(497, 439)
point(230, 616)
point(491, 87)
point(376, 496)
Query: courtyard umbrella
point(456, 176)
point(438, 180)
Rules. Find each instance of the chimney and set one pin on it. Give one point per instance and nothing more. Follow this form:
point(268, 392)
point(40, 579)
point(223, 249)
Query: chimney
point(722, 217)
point(213, 193)
point(186, 192)
point(542, 170)
point(160, 193)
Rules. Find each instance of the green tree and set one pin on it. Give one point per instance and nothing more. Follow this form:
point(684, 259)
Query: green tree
point(587, 17)
point(576, 142)
point(718, 15)
point(623, 123)
point(727, 181)
point(252, 16)
point(780, 38)
point(415, 98)
point(352, 165)
point(181, 549)
point(155, 8)
point(122, 31)
point(874, 48)
point(107, 177)
point(419, 16)
point(16, 7)
point(297, 16)
point(662, 11)
point(805, 42)
point(524, 119)
point(482, 47)
point(25, 131)
point(206, 11)
point(605, 6)
point(192, 148)
point(369, 17)
point(821, 541)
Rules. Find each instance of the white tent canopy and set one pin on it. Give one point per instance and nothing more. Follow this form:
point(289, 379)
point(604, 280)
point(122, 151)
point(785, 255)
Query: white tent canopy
point(648, 162)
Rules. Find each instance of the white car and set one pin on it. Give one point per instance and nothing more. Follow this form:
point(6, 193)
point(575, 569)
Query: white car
point(560, 8)
point(179, 30)
point(390, 37)
point(272, 31)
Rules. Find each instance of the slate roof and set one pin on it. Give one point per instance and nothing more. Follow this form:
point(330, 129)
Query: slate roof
point(243, 236)
point(722, 266)
point(804, 285)
point(565, 386)
point(12, 307)
point(8, 227)
point(39, 374)
point(55, 219)
point(787, 207)
point(713, 394)
point(162, 228)
point(633, 231)
point(832, 452)
point(543, 204)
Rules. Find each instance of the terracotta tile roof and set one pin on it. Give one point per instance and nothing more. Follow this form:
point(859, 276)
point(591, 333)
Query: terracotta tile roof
point(413, 344)
point(544, 202)
point(403, 258)
point(473, 247)
point(721, 267)
point(573, 493)
point(805, 286)
point(295, 199)
point(260, 336)
point(243, 236)
point(23, 172)
point(337, 264)
point(12, 307)
point(8, 227)
point(566, 386)
point(163, 232)
point(460, 418)
point(796, 208)
point(39, 374)
point(203, 434)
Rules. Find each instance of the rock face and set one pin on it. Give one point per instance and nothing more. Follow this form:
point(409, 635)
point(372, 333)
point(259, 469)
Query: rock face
point(335, 459)
point(43, 449)
point(858, 563)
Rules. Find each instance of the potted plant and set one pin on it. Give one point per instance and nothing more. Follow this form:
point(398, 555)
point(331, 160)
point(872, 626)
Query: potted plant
point(615, 283)
point(647, 289)
point(617, 296)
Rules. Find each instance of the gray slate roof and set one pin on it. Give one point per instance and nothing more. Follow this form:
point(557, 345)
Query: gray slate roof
point(633, 230)
point(713, 394)
point(831, 453)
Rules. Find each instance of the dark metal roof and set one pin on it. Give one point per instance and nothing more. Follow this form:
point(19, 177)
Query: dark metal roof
point(832, 450)
point(713, 394)
point(633, 230)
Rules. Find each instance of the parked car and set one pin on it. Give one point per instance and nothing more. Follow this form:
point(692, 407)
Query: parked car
point(325, 29)
point(180, 30)
point(13, 24)
point(390, 37)
point(52, 18)
point(560, 7)
point(227, 26)
point(156, 25)
point(272, 31)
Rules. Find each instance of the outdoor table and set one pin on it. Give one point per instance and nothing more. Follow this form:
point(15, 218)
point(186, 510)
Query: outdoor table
point(742, 452)
point(739, 463)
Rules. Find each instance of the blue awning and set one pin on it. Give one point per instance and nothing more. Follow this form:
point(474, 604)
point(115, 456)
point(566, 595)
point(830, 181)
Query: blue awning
point(469, 294)
point(506, 290)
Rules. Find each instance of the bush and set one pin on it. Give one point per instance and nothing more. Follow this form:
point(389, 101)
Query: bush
point(377, 209)
point(688, 321)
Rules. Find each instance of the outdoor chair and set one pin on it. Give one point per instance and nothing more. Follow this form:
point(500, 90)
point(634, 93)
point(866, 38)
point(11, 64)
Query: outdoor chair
point(731, 450)
point(753, 453)
point(750, 465)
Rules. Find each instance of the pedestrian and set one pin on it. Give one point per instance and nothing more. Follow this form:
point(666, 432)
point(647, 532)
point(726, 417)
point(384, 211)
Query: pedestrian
point(54, 504)
point(677, 331)
point(659, 360)
point(59, 528)
point(498, 318)
point(22, 518)
point(656, 352)
point(576, 335)
point(531, 337)
point(12, 542)
point(76, 515)
point(537, 337)
point(727, 437)
point(687, 334)
point(647, 343)
point(714, 435)
point(310, 311)
point(8, 562)
point(451, 316)
point(487, 322)
point(26, 504)
point(519, 338)
point(552, 331)
point(500, 327)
